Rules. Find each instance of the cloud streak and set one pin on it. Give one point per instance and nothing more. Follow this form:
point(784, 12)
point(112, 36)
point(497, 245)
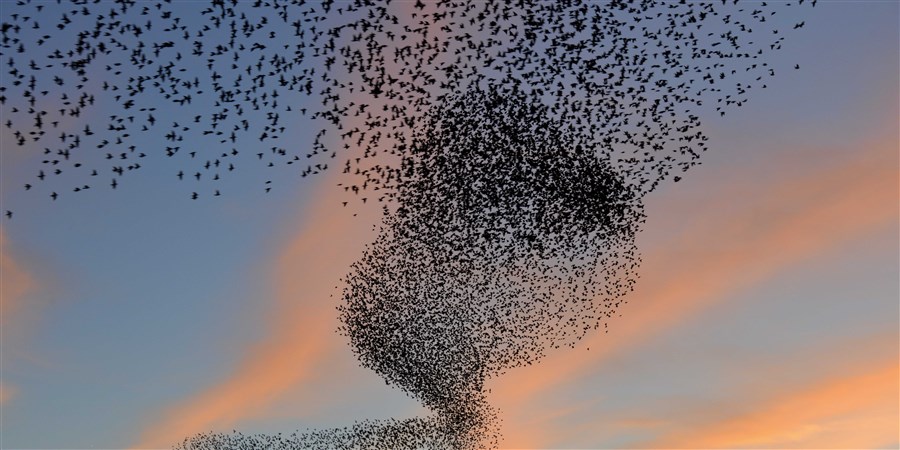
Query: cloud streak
point(303, 328)
point(848, 411)
point(7, 392)
point(16, 283)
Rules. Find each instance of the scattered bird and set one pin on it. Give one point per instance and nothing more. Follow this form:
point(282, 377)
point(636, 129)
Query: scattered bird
point(376, 71)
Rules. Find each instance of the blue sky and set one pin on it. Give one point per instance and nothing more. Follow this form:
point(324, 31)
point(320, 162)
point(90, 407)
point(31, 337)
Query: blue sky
point(777, 257)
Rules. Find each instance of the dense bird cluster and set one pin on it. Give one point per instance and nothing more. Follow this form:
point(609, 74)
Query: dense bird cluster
point(511, 142)
point(510, 239)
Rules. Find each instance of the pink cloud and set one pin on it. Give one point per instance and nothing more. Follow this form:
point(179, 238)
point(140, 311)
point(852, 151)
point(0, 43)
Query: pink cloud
point(303, 325)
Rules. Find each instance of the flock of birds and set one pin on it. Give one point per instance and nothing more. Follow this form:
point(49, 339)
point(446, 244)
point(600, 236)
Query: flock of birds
point(213, 86)
point(510, 239)
point(511, 144)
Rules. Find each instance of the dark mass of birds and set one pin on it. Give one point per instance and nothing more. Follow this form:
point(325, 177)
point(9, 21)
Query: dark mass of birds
point(510, 239)
point(511, 144)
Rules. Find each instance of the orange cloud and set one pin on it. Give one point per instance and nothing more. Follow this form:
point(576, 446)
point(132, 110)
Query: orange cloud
point(303, 327)
point(789, 222)
point(867, 421)
point(855, 411)
point(7, 392)
point(15, 283)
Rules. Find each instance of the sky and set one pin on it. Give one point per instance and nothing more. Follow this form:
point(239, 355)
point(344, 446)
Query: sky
point(767, 313)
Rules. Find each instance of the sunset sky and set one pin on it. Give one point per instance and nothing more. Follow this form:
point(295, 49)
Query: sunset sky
point(767, 313)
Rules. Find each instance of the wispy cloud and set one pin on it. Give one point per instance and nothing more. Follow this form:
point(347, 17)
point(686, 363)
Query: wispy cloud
point(302, 327)
point(811, 397)
point(848, 411)
point(15, 284)
point(7, 392)
point(789, 222)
